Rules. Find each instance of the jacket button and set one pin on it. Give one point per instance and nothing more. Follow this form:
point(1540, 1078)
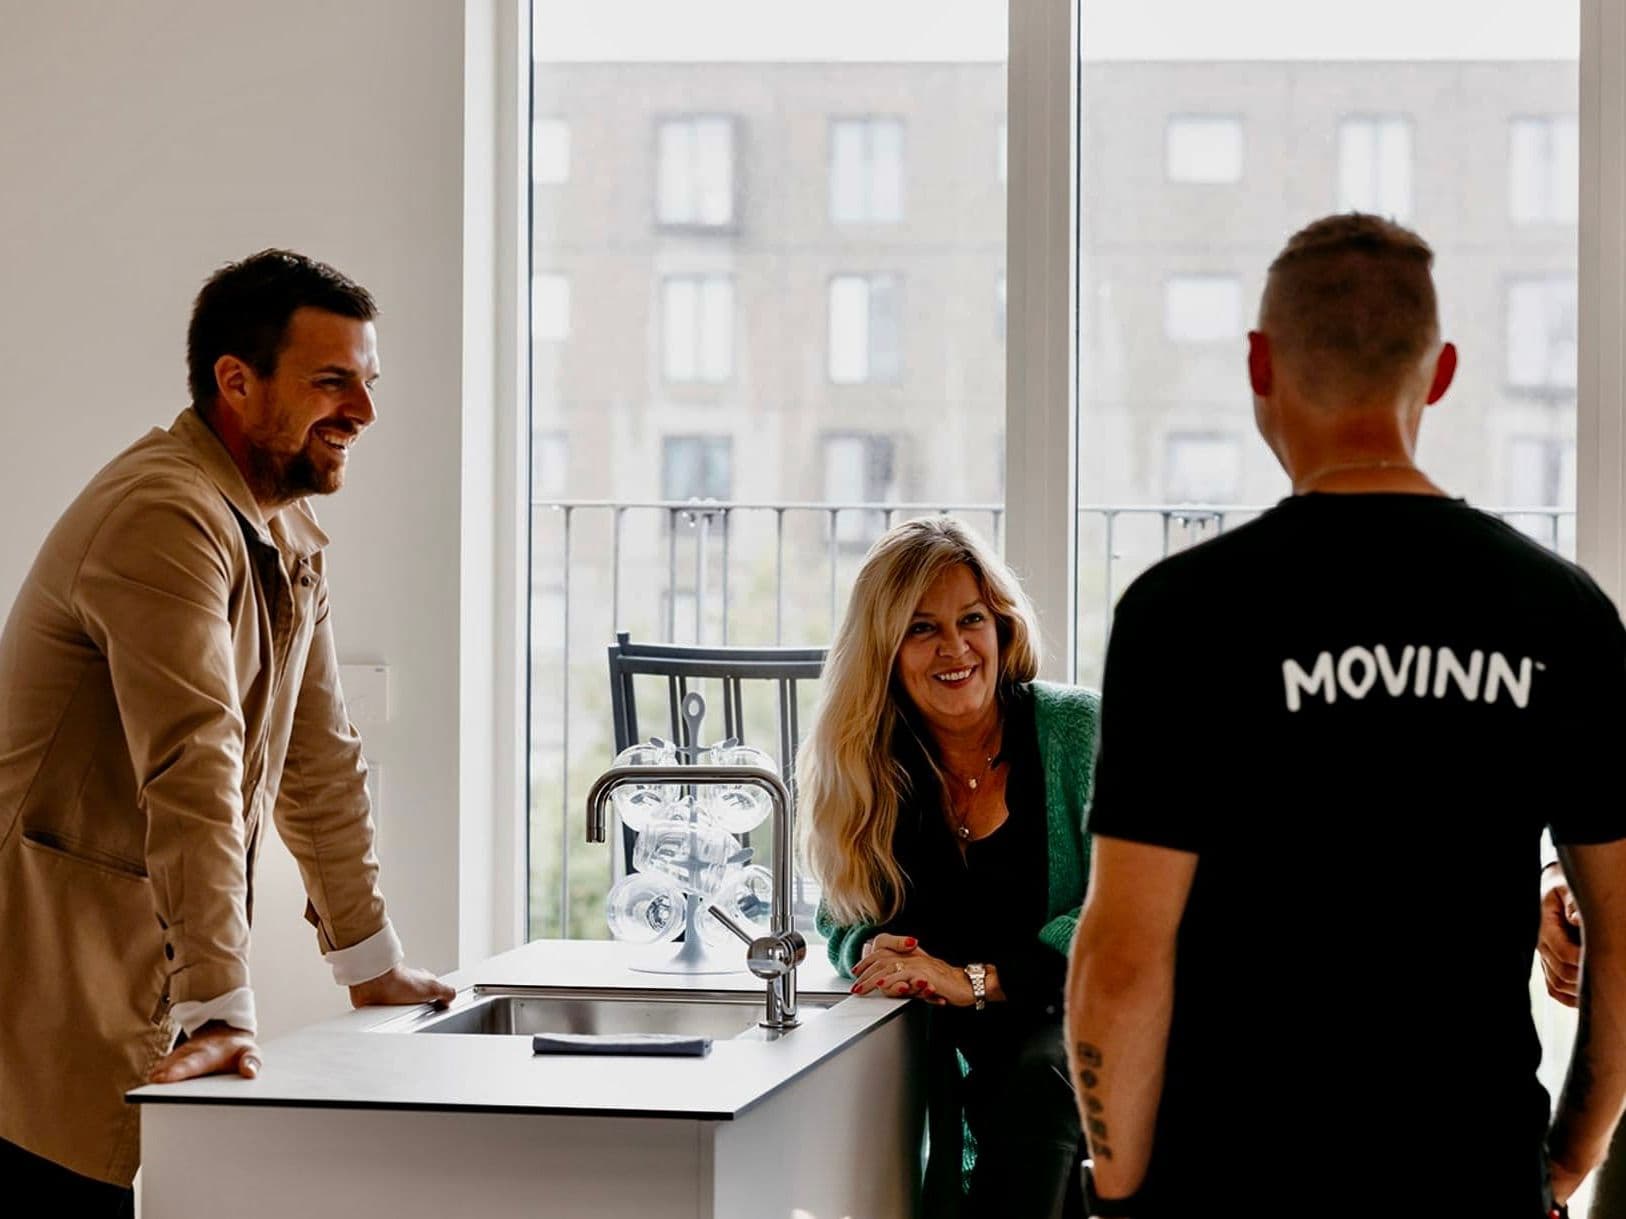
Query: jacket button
point(169, 952)
point(305, 580)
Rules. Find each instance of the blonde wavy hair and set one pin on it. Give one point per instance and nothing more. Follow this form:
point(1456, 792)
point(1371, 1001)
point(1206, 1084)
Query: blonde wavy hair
point(850, 781)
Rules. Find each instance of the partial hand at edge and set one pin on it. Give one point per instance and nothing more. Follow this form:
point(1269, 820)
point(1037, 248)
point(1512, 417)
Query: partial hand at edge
point(1559, 945)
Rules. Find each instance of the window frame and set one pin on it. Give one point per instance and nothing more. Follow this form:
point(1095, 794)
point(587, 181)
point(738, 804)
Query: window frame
point(1041, 481)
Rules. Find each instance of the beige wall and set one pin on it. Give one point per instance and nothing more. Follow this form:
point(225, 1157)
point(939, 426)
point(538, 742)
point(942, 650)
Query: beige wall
point(143, 145)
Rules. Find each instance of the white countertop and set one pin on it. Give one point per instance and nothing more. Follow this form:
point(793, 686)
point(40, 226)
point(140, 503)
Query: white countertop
point(341, 1064)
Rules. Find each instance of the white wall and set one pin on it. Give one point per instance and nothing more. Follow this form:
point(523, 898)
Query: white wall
point(141, 146)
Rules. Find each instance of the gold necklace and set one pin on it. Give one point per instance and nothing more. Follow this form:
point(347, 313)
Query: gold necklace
point(962, 827)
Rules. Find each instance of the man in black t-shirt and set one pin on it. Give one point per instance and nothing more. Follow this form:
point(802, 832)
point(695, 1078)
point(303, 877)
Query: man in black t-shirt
point(1371, 672)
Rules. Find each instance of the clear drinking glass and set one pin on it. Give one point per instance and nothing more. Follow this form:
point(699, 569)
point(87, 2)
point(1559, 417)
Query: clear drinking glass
point(747, 898)
point(740, 807)
point(645, 908)
point(693, 851)
point(636, 803)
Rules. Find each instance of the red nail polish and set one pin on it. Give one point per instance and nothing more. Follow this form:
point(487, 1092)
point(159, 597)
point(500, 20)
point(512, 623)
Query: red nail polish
point(910, 942)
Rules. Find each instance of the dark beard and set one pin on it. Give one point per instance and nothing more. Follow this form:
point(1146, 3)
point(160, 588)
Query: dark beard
point(281, 480)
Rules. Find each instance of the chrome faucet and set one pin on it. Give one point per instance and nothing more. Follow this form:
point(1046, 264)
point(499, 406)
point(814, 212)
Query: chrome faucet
point(772, 957)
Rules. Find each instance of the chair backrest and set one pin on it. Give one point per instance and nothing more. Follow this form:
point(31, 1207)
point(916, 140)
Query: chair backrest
point(685, 667)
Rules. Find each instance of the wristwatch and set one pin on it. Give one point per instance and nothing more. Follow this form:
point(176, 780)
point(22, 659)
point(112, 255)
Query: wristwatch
point(979, 984)
point(1097, 1207)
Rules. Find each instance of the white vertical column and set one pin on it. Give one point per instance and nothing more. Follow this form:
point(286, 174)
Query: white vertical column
point(1601, 447)
point(1041, 448)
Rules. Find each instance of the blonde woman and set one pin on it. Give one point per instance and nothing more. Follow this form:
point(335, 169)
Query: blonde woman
point(944, 792)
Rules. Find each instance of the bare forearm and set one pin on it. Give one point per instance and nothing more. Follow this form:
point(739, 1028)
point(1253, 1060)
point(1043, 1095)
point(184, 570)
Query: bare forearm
point(1118, 1031)
point(1595, 1088)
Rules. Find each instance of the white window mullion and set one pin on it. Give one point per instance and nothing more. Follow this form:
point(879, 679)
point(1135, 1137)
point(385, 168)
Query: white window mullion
point(1601, 425)
point(1041, 418)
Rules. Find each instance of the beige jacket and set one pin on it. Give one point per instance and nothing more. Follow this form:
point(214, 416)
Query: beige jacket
point(166, 676)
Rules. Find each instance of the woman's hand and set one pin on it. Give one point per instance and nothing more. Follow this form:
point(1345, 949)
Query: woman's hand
point(896, 967)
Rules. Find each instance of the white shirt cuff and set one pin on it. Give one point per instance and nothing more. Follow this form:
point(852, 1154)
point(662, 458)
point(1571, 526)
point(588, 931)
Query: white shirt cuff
point(377, 954)
point(235, 1007)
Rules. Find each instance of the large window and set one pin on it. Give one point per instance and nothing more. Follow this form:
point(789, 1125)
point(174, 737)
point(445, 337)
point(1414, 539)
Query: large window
point(787, 230)
point(741, 216)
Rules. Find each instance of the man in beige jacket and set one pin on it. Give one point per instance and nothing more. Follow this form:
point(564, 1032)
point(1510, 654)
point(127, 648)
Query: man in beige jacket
point(167, 678)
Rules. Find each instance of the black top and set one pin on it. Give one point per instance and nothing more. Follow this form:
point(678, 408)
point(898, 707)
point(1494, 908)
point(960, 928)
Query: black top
point(1359, 711)
point(986, 904)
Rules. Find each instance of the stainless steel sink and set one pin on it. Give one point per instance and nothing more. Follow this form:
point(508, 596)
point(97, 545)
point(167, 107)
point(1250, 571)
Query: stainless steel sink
point(509, 1011)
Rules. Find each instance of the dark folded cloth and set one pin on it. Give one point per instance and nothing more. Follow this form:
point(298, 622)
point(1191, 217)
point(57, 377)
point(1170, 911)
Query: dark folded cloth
point(637, 1044)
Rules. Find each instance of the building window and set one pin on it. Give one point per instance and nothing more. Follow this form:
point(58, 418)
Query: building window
point(1540, 472)
point(866, 171)
point(694, 183)
point(697, 467)
point(550, 151)
point(1202, 468)
point(697, 319)
point(550, 307)
point(1542, 334)
point(1203, 148)
point(859, 468)
point(1544, 170)
point(1374, 166)
point(866, 325)
point(1202, 308)
point(550, 465)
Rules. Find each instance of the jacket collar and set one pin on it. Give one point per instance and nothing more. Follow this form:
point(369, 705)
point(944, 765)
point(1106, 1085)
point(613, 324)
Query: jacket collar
point(293, 529)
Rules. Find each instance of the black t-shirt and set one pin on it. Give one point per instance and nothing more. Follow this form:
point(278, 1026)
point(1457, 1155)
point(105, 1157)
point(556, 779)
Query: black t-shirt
point(988, 902)
point(1359, 712)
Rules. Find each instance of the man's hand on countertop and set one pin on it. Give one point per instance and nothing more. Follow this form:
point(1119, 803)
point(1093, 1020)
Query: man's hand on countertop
point(215, 1049)
point(401, 985)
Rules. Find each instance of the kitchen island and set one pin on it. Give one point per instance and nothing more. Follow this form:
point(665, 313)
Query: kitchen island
point(411, 1112)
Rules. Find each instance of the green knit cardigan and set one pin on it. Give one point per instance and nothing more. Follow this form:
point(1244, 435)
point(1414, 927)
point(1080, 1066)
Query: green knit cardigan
point(1067, 718)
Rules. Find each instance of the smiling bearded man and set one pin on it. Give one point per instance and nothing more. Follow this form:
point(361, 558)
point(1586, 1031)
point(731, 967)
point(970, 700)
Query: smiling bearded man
point(167, 678)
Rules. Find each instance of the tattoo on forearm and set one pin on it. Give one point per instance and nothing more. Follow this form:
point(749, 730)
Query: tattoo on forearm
point(1089, 1083)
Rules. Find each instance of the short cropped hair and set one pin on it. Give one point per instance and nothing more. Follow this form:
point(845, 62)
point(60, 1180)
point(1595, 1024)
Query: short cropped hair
point(1350, 304)
point(244, 309)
